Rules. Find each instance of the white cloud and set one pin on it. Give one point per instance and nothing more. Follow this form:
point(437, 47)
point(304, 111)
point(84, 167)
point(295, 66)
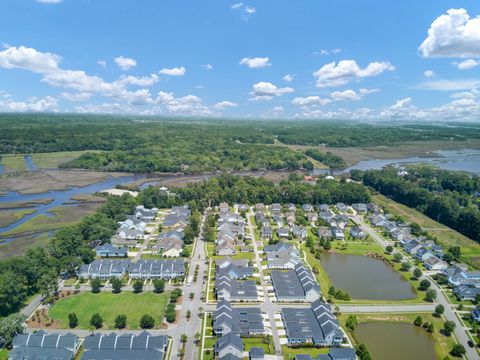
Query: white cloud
point(325, 52)
point(76, 96)
point(245, 10)
point(186, 105)
point(176, 71)
point(207, 66)
point(139, 81)
point(334, 74)
point(288, 78)
point(453, 34)
point(255, 63)
point(29, 59)
point(125, 63)
point(275, 112)
point(467, 64)
point(347, 95)
point(102, 63)
point(267, 91)
point(49, 1)
point(222, 105)
point(310, 101)
point(449, 85)
point(46, 104)
point(429, 73)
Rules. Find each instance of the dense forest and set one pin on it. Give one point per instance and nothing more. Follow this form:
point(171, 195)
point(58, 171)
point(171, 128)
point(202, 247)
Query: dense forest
point(145, 144)
point(36, 272)
point(450, 198)
point(331, 160)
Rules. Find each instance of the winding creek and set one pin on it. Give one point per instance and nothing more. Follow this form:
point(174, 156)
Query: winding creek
point(365, 278)
point(396, 341)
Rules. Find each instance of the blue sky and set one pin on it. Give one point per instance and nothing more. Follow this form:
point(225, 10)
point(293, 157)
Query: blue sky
point(260, 59)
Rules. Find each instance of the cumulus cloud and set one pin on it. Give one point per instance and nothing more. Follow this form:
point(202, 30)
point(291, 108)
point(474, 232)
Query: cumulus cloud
point(311, 101)
point(288, 78)
point(46, 104)
point(125, 63)
point(48, 65)
point(102, 63)
point(325, 52)
point(207, 66)
point(334, 74)
point(453, 34)
point(467, 64)
point(256, 62)
point(429, 73)
point(176, 71)
point(186, 105)
point(222, 105)
point(267, 91)
point(76, 96)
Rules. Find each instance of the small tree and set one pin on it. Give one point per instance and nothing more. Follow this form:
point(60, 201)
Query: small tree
point(96, 321)
point(439, 310)
point(448, 327)
point(424, 285)
point(332, 291)
point(417, 273)
point(351, 323)
point(96, 285)
point(458, 350)
point(327, 245)
point(418, 321)
point(121, 321)
point(430, 295)
point(158, 286)
point(397, 257)
point(406, 266)
point(138, 286)
point(72, 320)
point(184, 338)
point(147, 322)
point(116, 285)
point(389, 249)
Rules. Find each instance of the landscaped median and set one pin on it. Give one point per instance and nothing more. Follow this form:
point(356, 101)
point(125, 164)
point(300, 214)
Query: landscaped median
point(109, 305)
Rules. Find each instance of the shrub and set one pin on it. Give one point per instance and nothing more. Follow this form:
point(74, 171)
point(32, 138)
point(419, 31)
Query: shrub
point(120, 321)
point(147, 322)
point(72, 320)
point(96, 321)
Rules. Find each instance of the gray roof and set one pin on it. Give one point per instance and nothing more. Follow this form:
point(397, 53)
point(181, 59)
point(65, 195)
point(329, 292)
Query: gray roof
point(230, 339)
point(44, 346)
point(110, 250)
point(278, 246)
point(119, 347)
point(256, 352)
point(156, 267)
point(235, 272)
point(105, 267)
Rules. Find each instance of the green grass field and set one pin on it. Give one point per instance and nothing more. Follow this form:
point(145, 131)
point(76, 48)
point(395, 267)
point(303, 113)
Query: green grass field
point(109, 305)
point(445, 235)
point(52, 160)
point(13, 162)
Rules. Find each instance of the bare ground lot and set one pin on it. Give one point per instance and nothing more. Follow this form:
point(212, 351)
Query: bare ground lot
point(42, 181)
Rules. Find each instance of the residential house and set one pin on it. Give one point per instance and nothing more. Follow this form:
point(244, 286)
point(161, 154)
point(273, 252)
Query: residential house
point(360, 207)
point(307, 207)
point(374, 208)
point(324, 232)
point(475, 314)
point(283, 232)
point(104, 269)
point(283, 259)
point(357, 233)
point(109, 251)
point(324, 208)
point(411, 247)
point(291, 207)
point(300, 232)
point(337, 233)
point(312, 217)
point(157, 269)
point(297, 285)
point(42, 345)
point(145, 214)
point(260, 208)
point(378, 220)
point(243, 321)
point(125, 346)
point(266, 232)
point(235, 272)
point(466, 292)
point(223, 207)
point(423, 253)
point(243, 208)
point(232, 290)
point(341, 207)
point(230, 344)
point(256, 353)
point(276, 208)
point(433, 263)
point(169, 247)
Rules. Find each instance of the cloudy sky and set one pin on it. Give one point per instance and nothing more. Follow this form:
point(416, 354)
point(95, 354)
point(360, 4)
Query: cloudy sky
point(345, 59)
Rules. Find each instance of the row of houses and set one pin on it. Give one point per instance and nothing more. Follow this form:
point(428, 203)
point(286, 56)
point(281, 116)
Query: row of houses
point(41, 345)
point(297, 285)
point(316, 325)
point(465, 283)
point(281, 256)
point(134, 227)
point(105, 269)
point(230, 232)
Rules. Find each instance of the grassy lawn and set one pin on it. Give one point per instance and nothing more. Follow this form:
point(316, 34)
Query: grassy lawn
point(3, 354)
point(109, 305)
point(445, 235)
point(244, 255)
point(289, 353)
point(258, 342)
point(357, 248)
point(443, 344)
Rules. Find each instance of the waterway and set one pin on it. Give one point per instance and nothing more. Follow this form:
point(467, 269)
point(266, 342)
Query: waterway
point(366, 278)
point(457, 160)
point(396, 341)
